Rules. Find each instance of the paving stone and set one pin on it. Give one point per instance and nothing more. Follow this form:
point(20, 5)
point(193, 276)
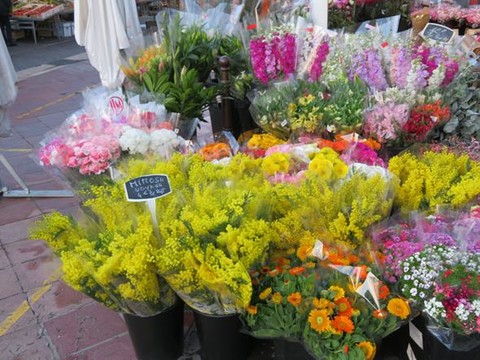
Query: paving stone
point(26, 344)
point(21, 312)
point(15, 215)
point(82, 329)
point(4, 262)
point(35, 273)
point(59, 300)
point(26, 250)
point(9, 283)
point(18, 230)
point(119, 348)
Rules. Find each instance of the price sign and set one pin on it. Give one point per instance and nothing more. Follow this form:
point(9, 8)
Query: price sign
point(147, 187)
point(438, 33)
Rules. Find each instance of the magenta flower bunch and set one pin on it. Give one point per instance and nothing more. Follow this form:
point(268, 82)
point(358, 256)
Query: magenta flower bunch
point(273, 55)
point(398, 241)
point(361, 153)
point(432, 57)
point(316, 70)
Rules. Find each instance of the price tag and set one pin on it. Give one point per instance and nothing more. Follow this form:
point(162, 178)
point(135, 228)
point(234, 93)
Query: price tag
point(415, 335)
point(438, 33)
point(147, 187)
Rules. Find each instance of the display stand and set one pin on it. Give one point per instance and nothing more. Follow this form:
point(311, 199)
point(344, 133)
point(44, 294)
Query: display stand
point(26, 192)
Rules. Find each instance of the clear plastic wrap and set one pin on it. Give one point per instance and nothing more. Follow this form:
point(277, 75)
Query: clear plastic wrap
point(106, 252)
point(434, 260)
point(269, 111)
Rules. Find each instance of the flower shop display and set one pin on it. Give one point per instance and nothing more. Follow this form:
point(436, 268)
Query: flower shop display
point(431, 179)
point(93, 139)
point(443, 281)
point(374, 9)
point(305, 299)
point(177, 69)
point(434, 261)
point(465, 107)
point(106, 254)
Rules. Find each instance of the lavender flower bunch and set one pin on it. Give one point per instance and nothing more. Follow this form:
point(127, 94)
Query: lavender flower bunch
point(384, 122)
point(367, 65)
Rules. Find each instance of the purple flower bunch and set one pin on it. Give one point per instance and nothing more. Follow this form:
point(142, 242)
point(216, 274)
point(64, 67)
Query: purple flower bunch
point(273, 56)
point(258, 56)
point(384, 122)
point(401, 63)
point(367, 65)
point(399, 241)
point(316, 70)
point(432, 57)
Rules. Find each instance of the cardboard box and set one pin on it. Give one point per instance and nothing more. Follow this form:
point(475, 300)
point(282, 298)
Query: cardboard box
point(65, 29)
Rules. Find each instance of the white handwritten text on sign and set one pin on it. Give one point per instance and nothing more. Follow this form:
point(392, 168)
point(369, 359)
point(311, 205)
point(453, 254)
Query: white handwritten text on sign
point(147, 187)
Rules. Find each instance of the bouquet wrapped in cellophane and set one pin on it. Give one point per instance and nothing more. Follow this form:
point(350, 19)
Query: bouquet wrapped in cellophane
point(430, 179)
point(434, 260)
point(107, 128)
point(327, 298)
point(106, 252)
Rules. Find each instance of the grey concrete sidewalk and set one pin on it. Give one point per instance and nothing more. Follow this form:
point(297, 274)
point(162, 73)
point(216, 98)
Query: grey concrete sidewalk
point(31, 60)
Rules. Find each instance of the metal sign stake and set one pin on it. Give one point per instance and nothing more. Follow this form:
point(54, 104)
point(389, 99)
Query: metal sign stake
point(26, 192)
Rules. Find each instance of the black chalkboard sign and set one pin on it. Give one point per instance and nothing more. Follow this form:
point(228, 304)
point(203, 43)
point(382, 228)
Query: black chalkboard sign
point(147, 187)
point(438, 33)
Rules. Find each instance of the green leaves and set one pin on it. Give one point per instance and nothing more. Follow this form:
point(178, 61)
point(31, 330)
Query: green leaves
point(188, 97)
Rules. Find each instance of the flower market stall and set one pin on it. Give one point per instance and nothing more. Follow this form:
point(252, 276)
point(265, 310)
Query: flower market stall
point(343, 225)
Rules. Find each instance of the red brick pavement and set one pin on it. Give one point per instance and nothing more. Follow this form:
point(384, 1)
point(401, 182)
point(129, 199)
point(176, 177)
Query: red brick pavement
point(51, 321)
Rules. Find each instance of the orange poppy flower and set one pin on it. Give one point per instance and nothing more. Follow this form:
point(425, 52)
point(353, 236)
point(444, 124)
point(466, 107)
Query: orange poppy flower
point(252, 310)
point(342, 323)
point(295, 299)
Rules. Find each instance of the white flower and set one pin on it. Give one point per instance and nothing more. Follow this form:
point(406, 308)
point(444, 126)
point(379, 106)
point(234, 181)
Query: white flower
point(422, 295)
point(164, 142)
point(462, 312)
point(369, 171)
point(413, 291)
point(134, 141)
point(407, 277)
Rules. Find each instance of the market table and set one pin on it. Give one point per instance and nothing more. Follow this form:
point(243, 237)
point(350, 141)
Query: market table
point(27, 17)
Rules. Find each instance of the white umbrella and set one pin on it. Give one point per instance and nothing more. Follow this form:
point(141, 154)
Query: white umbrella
point(8, 76)
point(105, 27)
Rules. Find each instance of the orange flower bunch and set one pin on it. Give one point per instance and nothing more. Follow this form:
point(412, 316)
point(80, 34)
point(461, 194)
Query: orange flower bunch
point(215, 151)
